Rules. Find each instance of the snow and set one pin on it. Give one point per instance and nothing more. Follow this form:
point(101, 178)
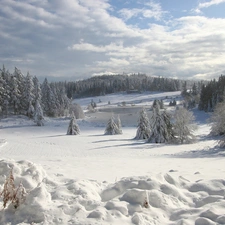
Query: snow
point(92, 178)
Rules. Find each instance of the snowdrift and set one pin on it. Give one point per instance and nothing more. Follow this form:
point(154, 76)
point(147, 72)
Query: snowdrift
point(162, 199)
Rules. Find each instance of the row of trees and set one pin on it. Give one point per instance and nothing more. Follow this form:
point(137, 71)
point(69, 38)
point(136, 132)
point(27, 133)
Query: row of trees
point(24, 95)
point(165, 128)
point(161, 127)
point(106, 84)
point(211, 94)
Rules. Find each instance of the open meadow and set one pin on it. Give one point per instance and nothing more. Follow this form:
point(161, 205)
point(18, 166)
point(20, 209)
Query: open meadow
point(92, 178)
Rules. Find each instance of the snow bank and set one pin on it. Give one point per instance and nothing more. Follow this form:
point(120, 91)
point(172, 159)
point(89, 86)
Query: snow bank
point(163, 199)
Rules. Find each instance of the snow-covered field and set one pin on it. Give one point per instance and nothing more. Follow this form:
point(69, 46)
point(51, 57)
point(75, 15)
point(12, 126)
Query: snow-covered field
point(93, 178)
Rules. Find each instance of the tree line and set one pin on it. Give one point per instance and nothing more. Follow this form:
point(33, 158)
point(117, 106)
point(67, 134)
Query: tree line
point(107, 84)
point(24, 95)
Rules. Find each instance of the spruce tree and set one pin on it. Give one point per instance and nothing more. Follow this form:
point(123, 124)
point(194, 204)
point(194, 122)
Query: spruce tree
point(143, 131)
point(73, 128)
point(15, 94)
point(112, 128)
point(38, 114)
point(28, 95)
point(161, 127)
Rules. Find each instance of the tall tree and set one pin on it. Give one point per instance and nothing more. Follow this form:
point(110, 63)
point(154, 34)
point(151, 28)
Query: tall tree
point(161, 127)
point(143, 130)
point(15, 95)
point(38, 114)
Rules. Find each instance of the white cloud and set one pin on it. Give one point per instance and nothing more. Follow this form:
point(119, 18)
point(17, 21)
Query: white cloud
point(210, 3)
point(150, 10)
point(93, 48)
point(203, 5)
point(36, 37)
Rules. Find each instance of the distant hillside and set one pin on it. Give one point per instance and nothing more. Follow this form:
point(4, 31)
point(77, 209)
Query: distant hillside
point(107, 84)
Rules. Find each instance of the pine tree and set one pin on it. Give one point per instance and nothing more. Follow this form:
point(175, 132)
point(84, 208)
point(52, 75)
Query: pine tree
point(15, 94)
point(37, 89)
point(38, 114)
point(161, 127)
point(21, 89)
point(48, 100)
point(28, 95)
point(4, 91)
point(183, 125)
point(112, 128)
point(143, 131)
point(73, 128)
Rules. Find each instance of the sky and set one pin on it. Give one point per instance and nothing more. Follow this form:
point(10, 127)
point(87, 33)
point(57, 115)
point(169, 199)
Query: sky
point(77, 39)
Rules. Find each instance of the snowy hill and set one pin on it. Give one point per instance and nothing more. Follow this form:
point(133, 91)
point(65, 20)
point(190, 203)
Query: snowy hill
point(94, 178)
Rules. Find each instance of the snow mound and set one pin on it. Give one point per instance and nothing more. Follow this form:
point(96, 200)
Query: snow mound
point(162, 199)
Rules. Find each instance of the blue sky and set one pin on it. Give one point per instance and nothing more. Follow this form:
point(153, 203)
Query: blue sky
point(72, 39)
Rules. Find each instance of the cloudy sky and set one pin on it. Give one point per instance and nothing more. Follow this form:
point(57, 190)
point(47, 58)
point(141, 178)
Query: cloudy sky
point(75, 39)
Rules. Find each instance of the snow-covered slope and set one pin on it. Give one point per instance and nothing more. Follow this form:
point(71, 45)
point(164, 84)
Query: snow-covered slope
point(93, 178)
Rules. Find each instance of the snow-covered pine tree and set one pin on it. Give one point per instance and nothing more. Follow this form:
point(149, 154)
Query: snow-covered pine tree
point(184, 126)
point(38, 114)
point(64, 101)
point(4, 91)
point(143, 131)
point(55, 100)
point(161, 127)
point(15, 94)
point(73, 128)
point(28, 96)
point(21, 88)
point(30, 111)
point(48, 99)
point(119, 125)
point(111, 127)
point(167, 127)
point(37, 89)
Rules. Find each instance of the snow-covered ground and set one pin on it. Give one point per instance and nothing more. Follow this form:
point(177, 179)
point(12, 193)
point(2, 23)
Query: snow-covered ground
point(93, 178)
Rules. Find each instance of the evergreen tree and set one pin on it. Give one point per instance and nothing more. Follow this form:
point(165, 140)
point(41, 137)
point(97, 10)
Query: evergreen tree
point(73, 128)
point(38, 114)
point(183, 126)
point(4, 91)
point(37, 89)
point(48, 99)
point(143, 131)
point(28, 95)
point(21, 89)
point(112, 128)
point(161, 127)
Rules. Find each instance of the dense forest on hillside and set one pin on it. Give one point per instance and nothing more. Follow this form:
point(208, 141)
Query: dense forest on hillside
point(106, 84)
point(20, 94)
